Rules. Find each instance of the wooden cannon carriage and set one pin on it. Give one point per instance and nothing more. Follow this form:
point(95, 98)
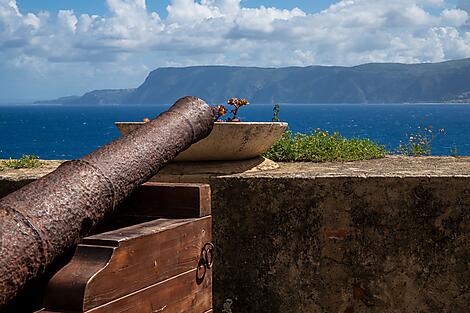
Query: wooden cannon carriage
point(154, 255)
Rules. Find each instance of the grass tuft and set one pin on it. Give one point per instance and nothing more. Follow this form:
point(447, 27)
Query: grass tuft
point(321, 146)
point(26, 161)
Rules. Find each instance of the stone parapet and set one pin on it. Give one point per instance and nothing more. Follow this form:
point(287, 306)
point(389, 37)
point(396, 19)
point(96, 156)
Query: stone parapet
point(389, 235)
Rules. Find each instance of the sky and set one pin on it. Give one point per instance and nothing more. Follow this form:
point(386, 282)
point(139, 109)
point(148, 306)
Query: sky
point(53, 48)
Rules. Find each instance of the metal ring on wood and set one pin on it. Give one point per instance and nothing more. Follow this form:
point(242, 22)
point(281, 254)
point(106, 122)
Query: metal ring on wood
point(208, 254)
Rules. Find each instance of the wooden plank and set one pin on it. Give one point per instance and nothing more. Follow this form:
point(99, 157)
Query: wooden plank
point(117, 237)
point(169, 200)
point(64, 291)
point(142, 255)
point(166, 297)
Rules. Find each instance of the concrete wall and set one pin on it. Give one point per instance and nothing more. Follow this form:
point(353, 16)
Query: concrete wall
point(383, 236)
point(342, 244)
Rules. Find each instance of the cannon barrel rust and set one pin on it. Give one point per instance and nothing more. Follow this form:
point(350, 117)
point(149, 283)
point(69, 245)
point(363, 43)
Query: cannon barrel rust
point(40, 221)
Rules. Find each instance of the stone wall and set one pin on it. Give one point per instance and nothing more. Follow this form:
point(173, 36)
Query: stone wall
point(342, 244)
point(382, 236)
point(389, 235)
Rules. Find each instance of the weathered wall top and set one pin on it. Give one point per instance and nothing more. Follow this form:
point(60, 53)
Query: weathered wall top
point(29, 173)
point(392, 166)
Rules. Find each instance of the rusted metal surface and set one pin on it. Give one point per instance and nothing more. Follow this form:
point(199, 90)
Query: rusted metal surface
point(39, 222)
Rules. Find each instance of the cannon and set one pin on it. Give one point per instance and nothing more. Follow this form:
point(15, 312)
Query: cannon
point(41, 221)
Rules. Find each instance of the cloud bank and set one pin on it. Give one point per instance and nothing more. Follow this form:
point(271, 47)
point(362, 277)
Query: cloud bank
point(224, 32)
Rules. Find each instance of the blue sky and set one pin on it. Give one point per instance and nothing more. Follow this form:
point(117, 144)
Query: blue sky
point(99, 7)
point(52, 48)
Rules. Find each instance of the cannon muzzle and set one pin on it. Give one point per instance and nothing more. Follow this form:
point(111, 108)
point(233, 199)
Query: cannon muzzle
point(41, 221)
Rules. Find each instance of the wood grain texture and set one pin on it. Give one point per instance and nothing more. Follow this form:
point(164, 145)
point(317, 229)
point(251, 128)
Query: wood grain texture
point(128, 260)
point(148, 253)
point(148, 267)
point(64, 291)
point(176, 295)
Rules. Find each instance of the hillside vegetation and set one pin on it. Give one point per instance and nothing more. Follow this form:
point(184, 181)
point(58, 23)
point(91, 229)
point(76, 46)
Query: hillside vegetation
point(367, 83)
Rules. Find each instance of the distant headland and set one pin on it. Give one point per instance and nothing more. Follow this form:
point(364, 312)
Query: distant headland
point(445, 82)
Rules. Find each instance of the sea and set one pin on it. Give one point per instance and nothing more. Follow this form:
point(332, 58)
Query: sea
point(69, 132)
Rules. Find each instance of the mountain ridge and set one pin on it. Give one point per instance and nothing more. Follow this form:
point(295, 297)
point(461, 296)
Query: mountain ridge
point(442, 82)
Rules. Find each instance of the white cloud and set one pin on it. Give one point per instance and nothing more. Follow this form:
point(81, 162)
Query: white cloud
point(223, 31)
point(188, 11)
point(454, 18)
point(348, 32)
point(67, 21)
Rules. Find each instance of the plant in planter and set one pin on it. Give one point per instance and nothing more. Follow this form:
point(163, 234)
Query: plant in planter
point(230, 138)
point(237, 104)
point(220, 110)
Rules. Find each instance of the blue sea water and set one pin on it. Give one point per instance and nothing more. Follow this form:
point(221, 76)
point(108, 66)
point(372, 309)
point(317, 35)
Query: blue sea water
point(67, 132)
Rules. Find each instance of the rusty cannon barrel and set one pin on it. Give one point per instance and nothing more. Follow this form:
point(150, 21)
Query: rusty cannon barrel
point(41, 221)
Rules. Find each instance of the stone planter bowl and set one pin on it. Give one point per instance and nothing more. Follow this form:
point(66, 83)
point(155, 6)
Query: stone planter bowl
point(228, 141)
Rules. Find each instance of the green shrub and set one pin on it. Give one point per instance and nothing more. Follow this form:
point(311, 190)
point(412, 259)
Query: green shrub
point(26, 161)
point(321, 146)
